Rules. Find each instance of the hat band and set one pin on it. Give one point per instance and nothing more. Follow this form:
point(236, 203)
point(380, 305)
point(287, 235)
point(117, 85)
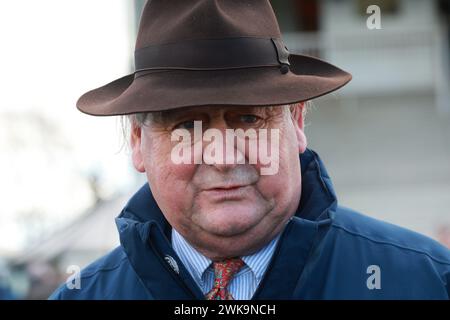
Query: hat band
point(214, 54)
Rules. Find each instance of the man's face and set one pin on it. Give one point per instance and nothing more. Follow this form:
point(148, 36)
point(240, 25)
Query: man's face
point(224, 209)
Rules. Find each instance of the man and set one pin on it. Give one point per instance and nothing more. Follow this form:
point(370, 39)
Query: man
point(236, 206)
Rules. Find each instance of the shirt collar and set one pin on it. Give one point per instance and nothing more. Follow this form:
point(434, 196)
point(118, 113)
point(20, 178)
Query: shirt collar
point(197, 263)
point(259, 260)
point(194, 261)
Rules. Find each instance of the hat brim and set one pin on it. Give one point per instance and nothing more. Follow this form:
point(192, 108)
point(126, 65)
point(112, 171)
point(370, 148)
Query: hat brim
point(159, 90)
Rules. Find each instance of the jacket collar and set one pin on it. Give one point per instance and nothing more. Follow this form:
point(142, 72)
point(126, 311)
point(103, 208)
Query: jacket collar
point(145, 236)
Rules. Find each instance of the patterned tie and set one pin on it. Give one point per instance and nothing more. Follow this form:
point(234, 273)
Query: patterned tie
point(223, 273)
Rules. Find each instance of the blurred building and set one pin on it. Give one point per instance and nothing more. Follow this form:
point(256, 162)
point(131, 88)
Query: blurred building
point(50, 262)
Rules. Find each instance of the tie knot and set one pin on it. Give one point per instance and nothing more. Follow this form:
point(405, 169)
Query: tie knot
point(225, 270)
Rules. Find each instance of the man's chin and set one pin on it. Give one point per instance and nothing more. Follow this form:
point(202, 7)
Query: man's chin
point(227, 244)
point(231, 225)
point(228, 231)
point(230, 218)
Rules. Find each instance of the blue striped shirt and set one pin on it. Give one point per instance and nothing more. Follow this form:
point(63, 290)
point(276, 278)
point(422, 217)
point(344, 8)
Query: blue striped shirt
point(244, 283)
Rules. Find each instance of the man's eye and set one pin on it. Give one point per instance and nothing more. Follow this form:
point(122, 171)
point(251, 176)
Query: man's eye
point(248, 118)
point(185, 125)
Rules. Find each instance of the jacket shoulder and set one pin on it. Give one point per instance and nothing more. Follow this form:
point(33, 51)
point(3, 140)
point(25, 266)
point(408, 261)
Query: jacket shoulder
point(110, 277)
point(379, 232)
point(365, 258)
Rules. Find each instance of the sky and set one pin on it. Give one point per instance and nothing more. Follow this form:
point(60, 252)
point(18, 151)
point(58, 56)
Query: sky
point(52, 52)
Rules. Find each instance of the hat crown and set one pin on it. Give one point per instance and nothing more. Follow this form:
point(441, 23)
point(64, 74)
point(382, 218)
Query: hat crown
point(168, 21)
point(208, 53)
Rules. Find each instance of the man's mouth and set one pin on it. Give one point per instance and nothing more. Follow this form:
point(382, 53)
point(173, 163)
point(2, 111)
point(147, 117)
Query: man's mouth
point(226, 188)
point(230, 192)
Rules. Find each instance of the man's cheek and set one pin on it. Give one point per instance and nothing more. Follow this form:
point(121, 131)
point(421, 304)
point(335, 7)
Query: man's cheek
point(181, 172)
point(269, 187)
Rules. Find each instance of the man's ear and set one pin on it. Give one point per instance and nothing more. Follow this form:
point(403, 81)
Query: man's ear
point(297, 116)
point(135, 141)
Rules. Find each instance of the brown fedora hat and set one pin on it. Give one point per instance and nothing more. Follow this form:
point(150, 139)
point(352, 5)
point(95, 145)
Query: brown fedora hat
point(212, 52)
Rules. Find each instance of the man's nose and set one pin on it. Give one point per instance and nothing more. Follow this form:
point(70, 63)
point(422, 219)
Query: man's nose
point(221, 149)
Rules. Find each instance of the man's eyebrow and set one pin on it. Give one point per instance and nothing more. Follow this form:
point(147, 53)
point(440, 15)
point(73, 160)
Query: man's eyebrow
point(263, 110)
point(174, 114)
